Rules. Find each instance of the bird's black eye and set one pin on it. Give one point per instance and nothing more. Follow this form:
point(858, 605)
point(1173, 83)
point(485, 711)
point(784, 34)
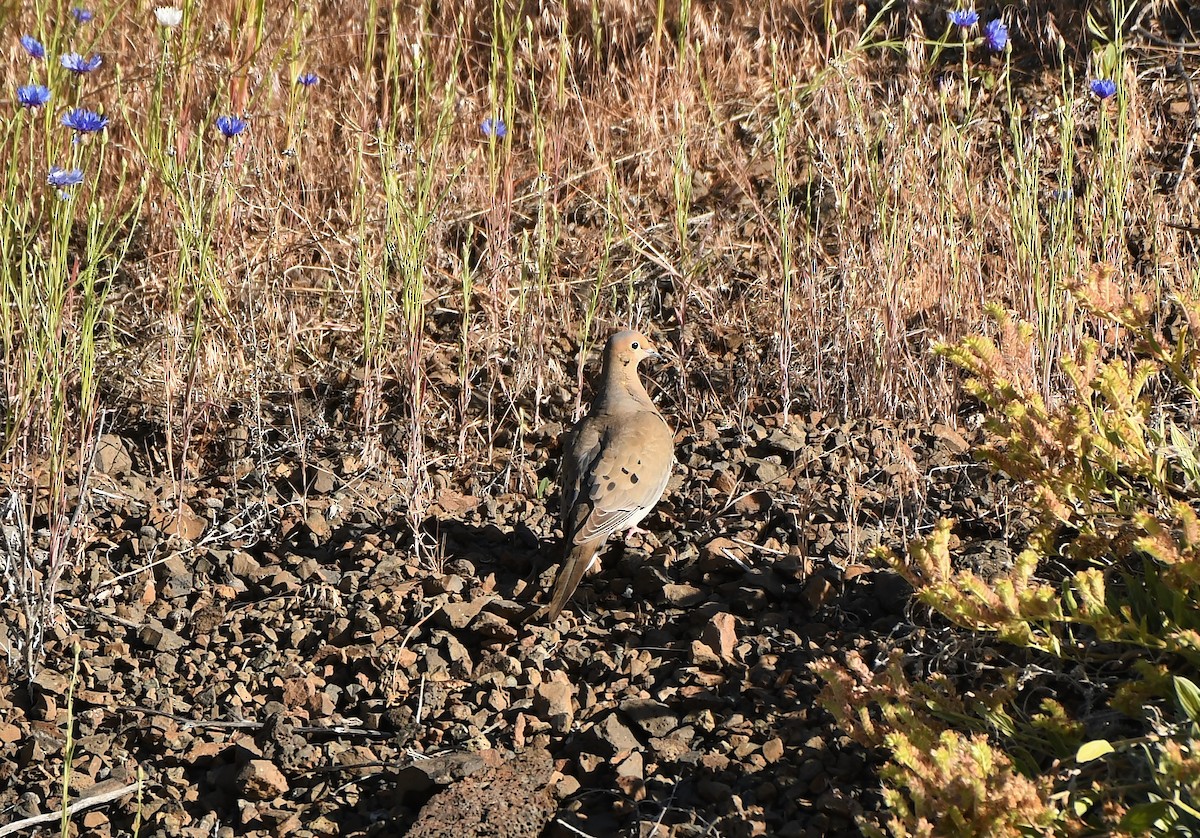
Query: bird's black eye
point(634, 344)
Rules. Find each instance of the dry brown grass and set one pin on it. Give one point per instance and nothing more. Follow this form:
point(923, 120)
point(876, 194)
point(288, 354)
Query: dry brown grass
point(903, 228)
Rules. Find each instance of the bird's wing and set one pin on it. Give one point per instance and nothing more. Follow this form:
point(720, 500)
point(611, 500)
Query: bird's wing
point(615, 469)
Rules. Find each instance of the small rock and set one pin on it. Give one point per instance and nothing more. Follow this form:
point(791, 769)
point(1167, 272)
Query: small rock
point(615, 734)
point(672, 749)
point(243, 564)
point(631, 776)
point(454, 504)
point(653, 717)
point(322, 479)
point(112, 458)
point(819, 590)
point(182, 522)
point(566, 786)
point(281, 581)
point(724, 481)
point(178, 578)
point(44, 708)
point(52, 682)
point(460, 614)
point(318, 524)
point(457, 653)
point(781, 441)
point(951, 438)
point(160, 638)
point(441, 770)
point(682, 595)
point(553, 701)
point(765, 471)
point(632, 766)
point(491, 625)
point(720, 636)
point(832, 801)
point(892, 591)
point(722, 553)
point(752, 504)
point(703, 656)
point(261, 780)
point(449, 584)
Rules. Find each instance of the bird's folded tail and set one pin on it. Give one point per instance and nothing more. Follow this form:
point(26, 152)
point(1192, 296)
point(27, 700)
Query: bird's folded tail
point(574, 565)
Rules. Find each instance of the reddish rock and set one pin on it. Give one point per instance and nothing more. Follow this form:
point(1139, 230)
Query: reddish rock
point(261, 779)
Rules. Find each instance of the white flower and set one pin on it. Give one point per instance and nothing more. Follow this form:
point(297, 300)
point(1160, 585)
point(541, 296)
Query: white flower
point(169, 16)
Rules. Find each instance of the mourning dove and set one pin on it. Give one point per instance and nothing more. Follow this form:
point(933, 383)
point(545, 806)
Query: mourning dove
point(615, 464)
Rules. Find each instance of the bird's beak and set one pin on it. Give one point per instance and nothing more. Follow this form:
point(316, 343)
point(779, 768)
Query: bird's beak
point(658, 359)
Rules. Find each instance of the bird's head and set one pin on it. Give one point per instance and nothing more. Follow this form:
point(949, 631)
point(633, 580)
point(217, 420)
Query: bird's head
point(627, 349)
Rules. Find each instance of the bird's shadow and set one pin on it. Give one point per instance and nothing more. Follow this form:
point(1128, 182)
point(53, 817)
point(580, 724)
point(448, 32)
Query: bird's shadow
point(525, 562)
point(516, 555)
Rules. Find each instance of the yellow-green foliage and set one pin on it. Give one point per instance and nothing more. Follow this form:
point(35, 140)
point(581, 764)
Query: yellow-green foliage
point(1111, 464)
point(1111, 569)
point(938, 781)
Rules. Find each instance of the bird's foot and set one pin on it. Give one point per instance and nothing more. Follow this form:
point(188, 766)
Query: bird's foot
point(636, 537)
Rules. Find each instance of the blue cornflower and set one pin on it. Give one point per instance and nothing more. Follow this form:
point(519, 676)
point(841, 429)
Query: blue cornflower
point(33, 95)
point(81, 14)
point(1104, 88)
point(61, 177)
point(76, 63)
point(33, 46)
point(995, 35)
point(307, 79)
point(493, 127)
point(84, 121)
point(230, 126)
point(965, 18)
